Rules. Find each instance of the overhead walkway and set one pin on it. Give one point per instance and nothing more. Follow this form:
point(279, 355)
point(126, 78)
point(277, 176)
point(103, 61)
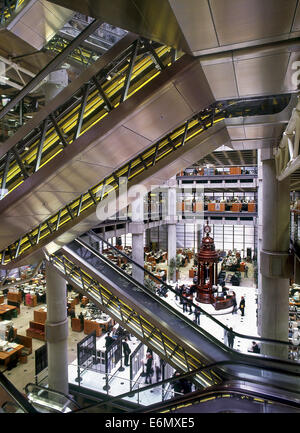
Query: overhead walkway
point(133, 95)
point(175, 338)
point(25, 203)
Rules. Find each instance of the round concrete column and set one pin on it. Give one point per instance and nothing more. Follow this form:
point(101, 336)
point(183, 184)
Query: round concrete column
point(274, 292)
point(57, 331)
point(137, 229)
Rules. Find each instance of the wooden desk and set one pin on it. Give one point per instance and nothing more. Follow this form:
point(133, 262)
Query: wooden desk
point(1, 299)
point(251, 207)
point(40, 316)
point(6, 356)
point(236, 207)
point(15, 297)
point(6, 309)
point(90, 326)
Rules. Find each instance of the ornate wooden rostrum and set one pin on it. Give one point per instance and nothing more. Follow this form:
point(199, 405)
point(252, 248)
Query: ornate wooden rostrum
point(208, 259)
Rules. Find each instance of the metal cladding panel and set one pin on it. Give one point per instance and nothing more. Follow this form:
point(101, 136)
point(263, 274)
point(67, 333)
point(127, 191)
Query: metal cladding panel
point(243, 20)
point(253, 144)
point(154, 120)
point(194, 87)
point(155, 110)
point(196, 23)
point(236, 132)
point(221, 78)
point(38, 22)
point(252, 71)
point(262, 75)
point(296, 25)
point(122, 142)
point(144, 17)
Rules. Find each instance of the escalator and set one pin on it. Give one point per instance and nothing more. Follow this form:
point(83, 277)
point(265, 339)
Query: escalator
point(11, 399)
point(233, 396)
point(60, 152)
point(28, 201)
point(155, 322)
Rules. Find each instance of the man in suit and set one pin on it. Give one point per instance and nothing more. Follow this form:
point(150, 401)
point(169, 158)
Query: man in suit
point(242, 305)
point(126, 351)
point(108, 341)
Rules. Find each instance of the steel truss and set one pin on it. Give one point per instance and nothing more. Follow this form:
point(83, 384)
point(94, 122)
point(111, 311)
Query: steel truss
point(87, 202)
point(106, 89)
point(140, 325)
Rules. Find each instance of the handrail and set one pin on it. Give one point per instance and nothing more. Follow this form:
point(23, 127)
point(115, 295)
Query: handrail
point(17, 396)
point(66, 396)
point(188, 375)
point(87, 202)
point(250, 337)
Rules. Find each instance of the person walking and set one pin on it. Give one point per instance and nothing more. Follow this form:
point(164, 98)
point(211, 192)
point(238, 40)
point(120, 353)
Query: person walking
point(242, 306)
point(230, 338)
point(126, 351)
point(149, 369)
point(177, 292)
point(246, 271)
point(157, 372)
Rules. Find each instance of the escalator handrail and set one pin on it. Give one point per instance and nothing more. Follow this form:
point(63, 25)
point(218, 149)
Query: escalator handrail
point(256, 359)
point(17, 396)
point(14, 248)
point(189, 375)
point(43, 388)
point(250, 337)
point(150, 293)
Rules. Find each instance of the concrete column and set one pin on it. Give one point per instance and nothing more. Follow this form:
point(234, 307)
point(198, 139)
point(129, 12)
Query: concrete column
point(259, 236)
point(274, 259)
point(171, 223)
point(57, 331)
point(136, 227)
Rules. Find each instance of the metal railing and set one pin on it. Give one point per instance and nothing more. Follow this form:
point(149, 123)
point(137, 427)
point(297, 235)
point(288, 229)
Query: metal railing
point(87, 202)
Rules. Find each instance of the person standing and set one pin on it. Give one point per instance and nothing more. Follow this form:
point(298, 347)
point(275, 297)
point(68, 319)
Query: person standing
point(108, 341)
point(230, 338)
point(197, 314)
point(184, 304)
point(246, 271)
point(242, 306)
point(234, 305)
point(81, 318)
point(126, 351)
point(177, 292)
point(149, 369)
point(157, 372)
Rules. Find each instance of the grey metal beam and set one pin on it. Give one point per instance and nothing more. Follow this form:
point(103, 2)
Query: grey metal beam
point(129, 70)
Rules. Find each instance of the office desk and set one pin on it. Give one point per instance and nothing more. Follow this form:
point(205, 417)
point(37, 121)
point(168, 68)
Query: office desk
point(6, 356)
point(6, 309)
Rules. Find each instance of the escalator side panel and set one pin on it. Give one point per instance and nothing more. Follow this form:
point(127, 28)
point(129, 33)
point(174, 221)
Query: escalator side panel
point(75, 169)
